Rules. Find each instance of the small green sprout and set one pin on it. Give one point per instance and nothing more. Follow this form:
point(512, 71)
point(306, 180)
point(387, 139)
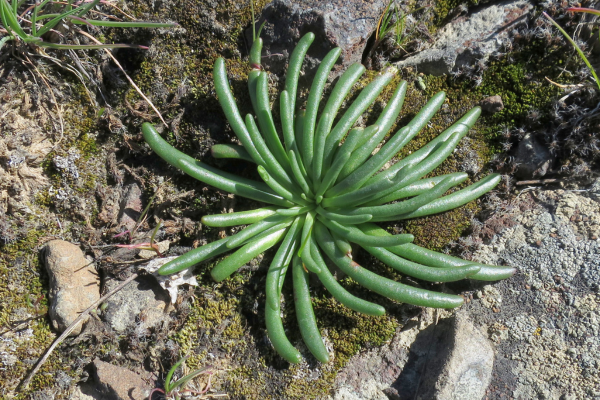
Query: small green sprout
point(38, 304)
point(391, 20)
point(145, 246)
point(173, 390)
point(326, 189)
point(31, 24)
point(420, 83)
point(393, 23)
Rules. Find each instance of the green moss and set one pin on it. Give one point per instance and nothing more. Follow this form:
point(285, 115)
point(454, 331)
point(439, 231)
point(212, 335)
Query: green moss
point(520, 93)
point(87, 145)
point(246, 381)
point(350, 331)
point(43, 198)
point(25, 330)
point(227, 320)
point(214, 313)
point(442, 8)
point(436, 231)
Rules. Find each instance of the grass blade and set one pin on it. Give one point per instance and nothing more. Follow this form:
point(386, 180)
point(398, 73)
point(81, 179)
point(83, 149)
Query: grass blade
point(577, 48)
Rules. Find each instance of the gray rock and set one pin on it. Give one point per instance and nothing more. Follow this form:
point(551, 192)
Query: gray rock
point(347, 24)
point(581, 213)
point(139, 306)
point(450, 360)
point(532, 158)
point(117, 383)
point(368, 375)
point(74, 283)
point(550, 310)
point(492, 104)
point(468, 369)
point(78, 393)
point(470, 39)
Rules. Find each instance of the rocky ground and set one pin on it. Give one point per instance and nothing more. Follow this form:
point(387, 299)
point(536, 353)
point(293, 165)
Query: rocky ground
point(76, 179)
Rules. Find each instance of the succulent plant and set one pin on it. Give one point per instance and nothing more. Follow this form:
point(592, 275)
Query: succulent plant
point(326, 189)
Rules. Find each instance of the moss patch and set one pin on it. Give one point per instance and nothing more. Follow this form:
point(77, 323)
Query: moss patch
point(25, 330)
point(227, 322)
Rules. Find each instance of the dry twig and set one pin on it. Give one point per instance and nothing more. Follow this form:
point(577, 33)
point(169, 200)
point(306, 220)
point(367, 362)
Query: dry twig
point(70, 328)
point(126, 76)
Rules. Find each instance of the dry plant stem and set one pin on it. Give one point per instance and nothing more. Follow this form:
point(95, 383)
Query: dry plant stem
point(137, 89)
point(574, 87)
point(70, 328)
point(124, 13)
point(21, 324)
point(79, 75)
point(58, 109)
point(107, 3)
point(539, 182)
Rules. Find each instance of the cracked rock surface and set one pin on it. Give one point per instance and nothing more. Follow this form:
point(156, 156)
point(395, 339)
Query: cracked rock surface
point(547, 326)
point(470, 38)
point(339, 23)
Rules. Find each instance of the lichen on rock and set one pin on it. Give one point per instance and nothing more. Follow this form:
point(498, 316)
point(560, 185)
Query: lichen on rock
point(74, 283)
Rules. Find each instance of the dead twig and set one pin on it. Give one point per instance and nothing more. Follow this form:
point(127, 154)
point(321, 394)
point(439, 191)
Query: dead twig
point(21, 324)
point(539, 182)
point(81, 74)
point(135, 176)
point(127, 76)
point(70, 328)
point(569, 87)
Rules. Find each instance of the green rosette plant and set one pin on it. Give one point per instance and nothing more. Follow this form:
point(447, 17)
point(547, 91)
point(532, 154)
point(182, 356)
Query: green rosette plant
point(327, 190)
